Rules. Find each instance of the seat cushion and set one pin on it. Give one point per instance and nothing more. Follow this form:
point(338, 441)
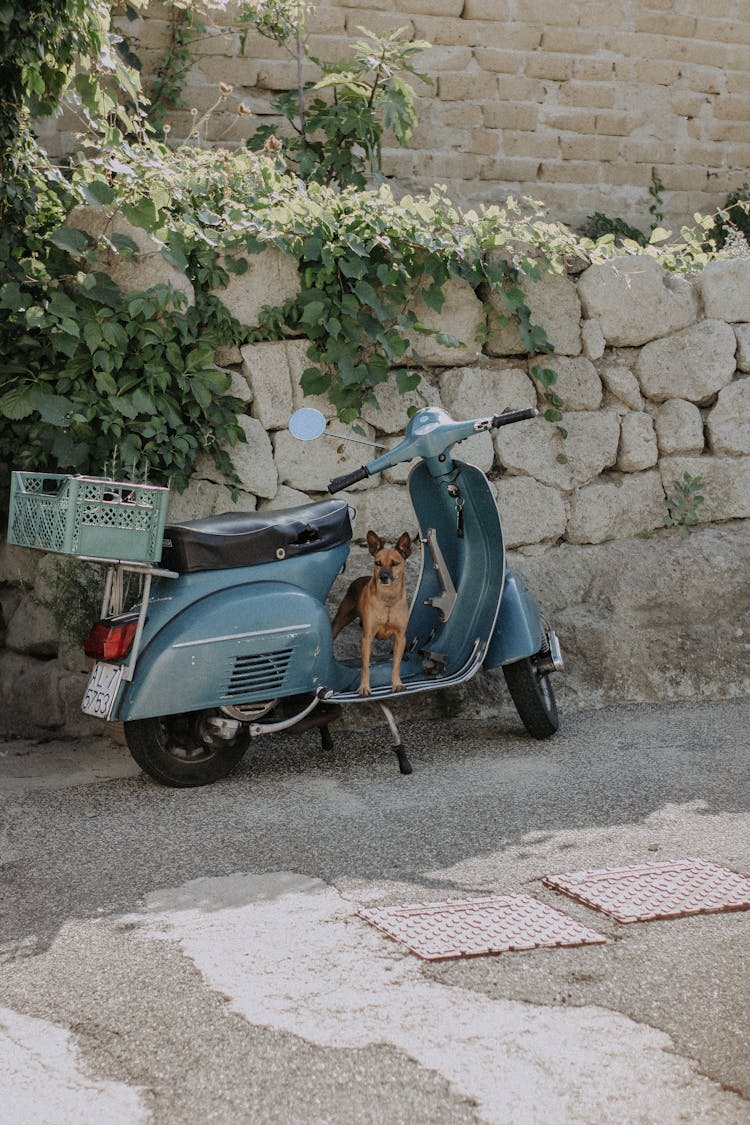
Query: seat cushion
point(249, 538)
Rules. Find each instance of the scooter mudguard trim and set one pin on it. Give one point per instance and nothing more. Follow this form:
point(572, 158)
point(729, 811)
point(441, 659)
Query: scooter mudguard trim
point(518, 632)
point(255, 641)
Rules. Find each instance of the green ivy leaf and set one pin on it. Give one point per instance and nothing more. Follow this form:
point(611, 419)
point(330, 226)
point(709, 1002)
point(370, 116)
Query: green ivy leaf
point(35, 317)
point(125, 405)
point(433, 297)
point(17, 403)
point(12, 297)
point(175, 255)
point(314, 381)
point(53, 409)
point(407, 380)
point(100, 287)
point(216, 380)
point(123, 243)
point(105, 384)
point(73, 241)
point(313, 312)
point(142, 214)
point(97, 193)
point(92, 335)
point(545, 375)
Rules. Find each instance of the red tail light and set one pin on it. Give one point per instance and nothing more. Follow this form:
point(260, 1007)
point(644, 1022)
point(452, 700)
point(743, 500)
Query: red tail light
point(110, 640)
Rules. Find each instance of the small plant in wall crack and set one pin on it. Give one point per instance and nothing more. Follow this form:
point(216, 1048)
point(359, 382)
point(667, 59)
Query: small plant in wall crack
point(335, 126)
point(684, 502)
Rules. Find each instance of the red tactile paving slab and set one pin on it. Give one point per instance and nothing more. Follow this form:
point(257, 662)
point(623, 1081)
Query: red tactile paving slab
point(647, 891)
point(474, 927)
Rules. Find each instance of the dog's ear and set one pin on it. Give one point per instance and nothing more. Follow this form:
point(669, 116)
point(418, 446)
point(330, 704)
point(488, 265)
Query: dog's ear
point(403, 545)
point(374, 543)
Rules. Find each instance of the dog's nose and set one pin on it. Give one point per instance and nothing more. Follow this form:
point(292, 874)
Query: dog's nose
point(386, 577)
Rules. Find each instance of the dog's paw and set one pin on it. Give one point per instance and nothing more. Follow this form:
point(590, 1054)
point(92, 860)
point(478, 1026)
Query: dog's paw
point(396, 685)
point(364, 689)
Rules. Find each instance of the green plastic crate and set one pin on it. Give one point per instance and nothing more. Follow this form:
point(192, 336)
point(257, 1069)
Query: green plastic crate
point(102, 519)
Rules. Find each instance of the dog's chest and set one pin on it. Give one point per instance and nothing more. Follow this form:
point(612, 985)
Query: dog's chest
point(389, 628)
point(388, 612)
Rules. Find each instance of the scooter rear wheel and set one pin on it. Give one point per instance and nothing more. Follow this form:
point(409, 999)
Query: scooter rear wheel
point(533, 696)
point(185, 751)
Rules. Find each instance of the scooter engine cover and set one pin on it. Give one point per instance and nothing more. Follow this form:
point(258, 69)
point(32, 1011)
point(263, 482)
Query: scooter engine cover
point(248, 538)
point(252, 642)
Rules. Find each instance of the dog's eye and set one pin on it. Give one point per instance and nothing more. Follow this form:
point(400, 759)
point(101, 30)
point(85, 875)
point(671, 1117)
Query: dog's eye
point(395, 564)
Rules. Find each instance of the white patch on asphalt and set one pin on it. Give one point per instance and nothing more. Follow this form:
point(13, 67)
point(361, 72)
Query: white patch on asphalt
point(290, 954)
point(42, 1080)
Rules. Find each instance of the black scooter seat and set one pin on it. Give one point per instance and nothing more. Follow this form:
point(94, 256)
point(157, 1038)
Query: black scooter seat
point(248, 538)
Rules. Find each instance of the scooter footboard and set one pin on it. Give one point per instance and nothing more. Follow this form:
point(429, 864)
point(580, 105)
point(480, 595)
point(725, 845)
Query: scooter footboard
point(519, 630)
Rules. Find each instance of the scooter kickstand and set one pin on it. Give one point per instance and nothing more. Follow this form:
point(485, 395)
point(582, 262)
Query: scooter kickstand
point(326, 741)
point(398, 749)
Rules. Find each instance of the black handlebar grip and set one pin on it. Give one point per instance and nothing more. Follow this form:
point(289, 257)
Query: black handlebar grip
point(514, 416)
point(348, 478)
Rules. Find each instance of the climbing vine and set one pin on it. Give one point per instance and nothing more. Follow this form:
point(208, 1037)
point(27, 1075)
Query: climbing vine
point(166, 91)
point(366, 259)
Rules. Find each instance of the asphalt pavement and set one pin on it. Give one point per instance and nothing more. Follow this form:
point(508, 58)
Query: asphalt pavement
point(197, 955)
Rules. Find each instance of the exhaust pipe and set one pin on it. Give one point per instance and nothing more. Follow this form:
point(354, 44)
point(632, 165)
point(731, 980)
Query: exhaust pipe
point(552, 659)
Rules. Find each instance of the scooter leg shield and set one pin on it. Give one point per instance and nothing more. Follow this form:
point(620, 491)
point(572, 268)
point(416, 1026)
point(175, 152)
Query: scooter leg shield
point(519, 631)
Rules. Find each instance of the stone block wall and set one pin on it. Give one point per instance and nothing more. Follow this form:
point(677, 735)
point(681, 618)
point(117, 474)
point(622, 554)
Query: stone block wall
point(652, 369)
point(654, 373)
point(572, 102)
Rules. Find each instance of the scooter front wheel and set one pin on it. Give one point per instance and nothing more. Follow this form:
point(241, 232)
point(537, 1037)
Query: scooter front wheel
point(533, 696)
point(187, 750)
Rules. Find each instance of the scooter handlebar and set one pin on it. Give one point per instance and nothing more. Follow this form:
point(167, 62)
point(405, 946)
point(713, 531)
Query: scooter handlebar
point(513, 416)
point(338, 483)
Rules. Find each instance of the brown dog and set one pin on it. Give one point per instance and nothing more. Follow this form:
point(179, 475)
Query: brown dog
point(380, 604)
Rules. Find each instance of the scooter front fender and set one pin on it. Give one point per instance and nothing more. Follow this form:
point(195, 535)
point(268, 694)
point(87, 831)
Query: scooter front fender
point(255, 641)
point(519, 630)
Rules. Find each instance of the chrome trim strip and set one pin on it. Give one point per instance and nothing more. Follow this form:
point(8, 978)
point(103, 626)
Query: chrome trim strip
point(241, 636)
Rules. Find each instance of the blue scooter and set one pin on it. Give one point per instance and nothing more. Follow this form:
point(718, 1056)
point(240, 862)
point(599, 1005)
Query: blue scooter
point(231, 638)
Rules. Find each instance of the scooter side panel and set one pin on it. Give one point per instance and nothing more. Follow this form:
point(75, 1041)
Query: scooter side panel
point(518, 632)
point(313, 573)
point(256, 641)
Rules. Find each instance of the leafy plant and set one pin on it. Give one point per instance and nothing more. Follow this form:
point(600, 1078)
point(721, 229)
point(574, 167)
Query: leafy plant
point(100, 373)
point(337, 123)
point(599, 225)
point(656, 206)
point(733, 217)
point(88, 371)
point(684, 503)
point(364, 258)
point(84, 369)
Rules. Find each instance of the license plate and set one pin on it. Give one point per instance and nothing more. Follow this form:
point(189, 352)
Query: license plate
point(101, 692)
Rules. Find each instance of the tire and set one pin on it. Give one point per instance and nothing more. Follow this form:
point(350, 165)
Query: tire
point(533, 696)
point(182, 750)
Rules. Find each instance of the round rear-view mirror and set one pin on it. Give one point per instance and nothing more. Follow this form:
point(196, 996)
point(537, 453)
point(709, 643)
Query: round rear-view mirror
point(307, 423)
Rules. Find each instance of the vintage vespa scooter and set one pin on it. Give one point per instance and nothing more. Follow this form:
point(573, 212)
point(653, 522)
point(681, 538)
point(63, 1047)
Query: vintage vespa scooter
point(231, 638)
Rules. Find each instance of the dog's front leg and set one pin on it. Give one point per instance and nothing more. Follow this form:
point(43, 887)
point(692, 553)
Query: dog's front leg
point(366, 650)
point(399, 647)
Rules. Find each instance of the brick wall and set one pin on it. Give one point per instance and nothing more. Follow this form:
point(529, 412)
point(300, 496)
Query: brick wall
point(572, 101)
